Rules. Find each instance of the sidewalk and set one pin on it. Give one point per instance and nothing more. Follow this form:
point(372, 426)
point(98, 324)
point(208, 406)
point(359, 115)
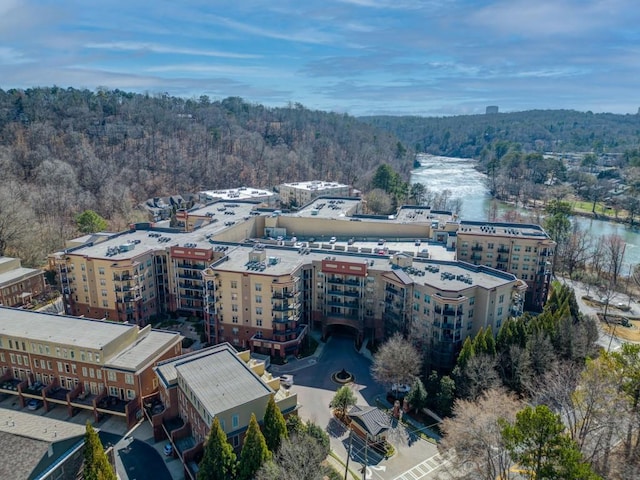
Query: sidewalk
point(294, 364)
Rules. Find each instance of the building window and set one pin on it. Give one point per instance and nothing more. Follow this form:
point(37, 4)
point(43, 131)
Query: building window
point(104, 293)
point(258, 287)
point(234, 307)
point(234, 296)
point(259, 322)
point(234, 319)
point(101, 270)
point(472, 300)
point(105, 303)
point(131, 394)
point(112, 376)
point(501, 299)
point(258, 298)
point(234, 284)
point(490, 246)
point(527, 249)
point(97, 358)
point(84, 371)
point(235, 421)
point(258, 310)
point(128, 378)
point(60, 369)
point(499, 311)
point(427, 298)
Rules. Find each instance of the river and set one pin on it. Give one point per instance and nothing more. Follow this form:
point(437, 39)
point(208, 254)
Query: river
point(459, 176)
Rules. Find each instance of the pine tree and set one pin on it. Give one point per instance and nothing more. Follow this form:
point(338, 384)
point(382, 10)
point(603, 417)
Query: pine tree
point(254, 451)
point(96, 464)
point(219, 460)
point(274, 426)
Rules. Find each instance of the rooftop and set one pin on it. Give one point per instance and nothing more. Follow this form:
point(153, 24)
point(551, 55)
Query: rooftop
point(514, 230)
point(218, 378)
point(148, 345)
point(242, 193)
point(64, 330)
point(315, 185)
point(328, 207)
point(16, 274)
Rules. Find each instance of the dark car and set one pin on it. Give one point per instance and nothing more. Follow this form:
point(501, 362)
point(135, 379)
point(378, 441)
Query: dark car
point(34, 404)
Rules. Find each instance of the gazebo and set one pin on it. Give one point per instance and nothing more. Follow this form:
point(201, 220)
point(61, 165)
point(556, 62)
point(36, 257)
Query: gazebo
point(369, 422)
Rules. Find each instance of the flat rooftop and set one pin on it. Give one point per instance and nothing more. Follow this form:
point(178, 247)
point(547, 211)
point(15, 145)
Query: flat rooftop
point(38, 427)
point(324, 207)
point(64, 330)
point(148, 346)
point(220, 379)
point(242, 193)
point(315, 185)
point(17, 274)
point(134, 243)
point(514, 230)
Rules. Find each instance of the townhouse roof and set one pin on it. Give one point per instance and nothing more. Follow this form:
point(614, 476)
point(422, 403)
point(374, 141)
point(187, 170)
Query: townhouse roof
point(31, 444)
point(148, 346)
point(218, 377)
point(370, 418)
point(17, 274)
point(63, 330)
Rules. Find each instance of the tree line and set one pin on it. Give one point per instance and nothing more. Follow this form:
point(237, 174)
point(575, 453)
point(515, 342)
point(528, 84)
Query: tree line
point(66, 151)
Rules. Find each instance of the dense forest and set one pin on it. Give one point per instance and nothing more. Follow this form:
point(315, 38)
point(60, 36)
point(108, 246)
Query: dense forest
point(468, 136)
point(63, 151)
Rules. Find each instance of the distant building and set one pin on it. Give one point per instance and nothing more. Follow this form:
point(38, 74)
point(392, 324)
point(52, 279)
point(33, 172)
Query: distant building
point(492, 109)
point(19, 285)
point(300, 193)
point(241, 193)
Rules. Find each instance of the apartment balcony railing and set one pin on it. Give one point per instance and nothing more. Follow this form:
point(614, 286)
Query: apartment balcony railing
point(476, 248)
point(285, 306)
point(503, 250)
point(476, 256)
point(283, 295)
point(503, 258)
point(190, 266)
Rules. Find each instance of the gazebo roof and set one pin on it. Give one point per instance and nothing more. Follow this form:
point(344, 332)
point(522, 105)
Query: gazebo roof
point(371, 419)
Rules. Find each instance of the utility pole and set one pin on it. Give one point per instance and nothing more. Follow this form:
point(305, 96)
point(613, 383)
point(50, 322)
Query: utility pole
point(346, 468)
point(366, 446)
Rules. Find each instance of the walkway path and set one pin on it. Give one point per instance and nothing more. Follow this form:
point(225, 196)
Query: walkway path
point(422, 470)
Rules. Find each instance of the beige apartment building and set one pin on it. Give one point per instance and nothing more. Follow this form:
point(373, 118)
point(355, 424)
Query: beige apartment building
point(260, 278)
point(104, 367)
point(522, 249)
point(216, 382)
point(297, 194)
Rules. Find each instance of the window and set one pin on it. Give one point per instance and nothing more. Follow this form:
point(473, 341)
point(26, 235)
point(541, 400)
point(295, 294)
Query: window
point(112, 376)
point(234, 319)
point(527, 249)
point(499, 311)
point(490, 246)
point(57, 351)
point(128, 378)
point(234, 307)
point(97, 358)
point(84, 371)
point(105, 303)
point(501, 299)
point(258, 287)
point(235, 421)
point(131, 394)
point(259, 322)
point(427, 298)
point(67, 369)
point(258, 298)
point(12, 356)
point(101, 270)
point(258, 310)
point(104, 293)
point(92, 373)
point(234, 296)
point(60, 369)
point(234, 284)
point(472, 300)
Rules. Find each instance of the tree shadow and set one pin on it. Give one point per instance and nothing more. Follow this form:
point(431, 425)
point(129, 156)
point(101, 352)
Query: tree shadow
point(336, 428)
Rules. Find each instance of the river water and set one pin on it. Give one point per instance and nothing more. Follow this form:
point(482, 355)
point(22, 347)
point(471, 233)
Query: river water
point(459, 176)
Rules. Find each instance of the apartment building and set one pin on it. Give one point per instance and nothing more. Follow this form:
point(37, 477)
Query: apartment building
point(297, 194)
point(19, 285)
point(216, 382)
point(522, 249)
point(105, 367)
point(260, 278)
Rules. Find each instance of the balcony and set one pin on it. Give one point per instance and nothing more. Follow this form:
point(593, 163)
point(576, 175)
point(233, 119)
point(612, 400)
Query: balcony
point(476, 256)
point(503, 258)
point(285, 306)
point(284, 294)
point(393, 290)
point(503, 250)
point(193, 276)
point(191, 266)
point(190, 286)
point(476, 248)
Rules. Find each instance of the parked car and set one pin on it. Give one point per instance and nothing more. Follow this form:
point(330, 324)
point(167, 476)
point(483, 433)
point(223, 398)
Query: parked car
point(400, 390)
point(168, 450)
point(351, 241)
point(34, 404)
point(333, 240)
point(381, 241)
point(418, 242)
point(286, 380)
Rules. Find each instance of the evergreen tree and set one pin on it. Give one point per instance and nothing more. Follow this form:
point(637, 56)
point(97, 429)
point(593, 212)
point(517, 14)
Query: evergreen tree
point(254, 451)
point(343, 399)
point(417, 397)
point(90, 222)
point(219, 460)
point(274, 426)
point(96, 464)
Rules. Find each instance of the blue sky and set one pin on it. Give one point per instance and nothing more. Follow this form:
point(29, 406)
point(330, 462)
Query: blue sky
point(416, 57)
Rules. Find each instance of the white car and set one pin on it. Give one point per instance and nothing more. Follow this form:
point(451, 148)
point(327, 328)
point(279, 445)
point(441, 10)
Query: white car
point(286, 380)
point(400, 390)
point(332, 240)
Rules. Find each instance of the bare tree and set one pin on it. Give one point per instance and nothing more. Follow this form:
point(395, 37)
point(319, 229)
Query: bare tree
point(298, 458)
point(614, 249)
point(397, 361)
point(472, 443)
point(575, 252)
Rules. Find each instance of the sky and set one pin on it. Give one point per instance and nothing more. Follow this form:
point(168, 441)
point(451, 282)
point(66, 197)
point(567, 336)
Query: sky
point(361, 57)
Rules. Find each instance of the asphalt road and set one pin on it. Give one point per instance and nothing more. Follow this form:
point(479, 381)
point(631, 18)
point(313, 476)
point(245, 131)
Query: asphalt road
point(316, 389)
point(141, 461)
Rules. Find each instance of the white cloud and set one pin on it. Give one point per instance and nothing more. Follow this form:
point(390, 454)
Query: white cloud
point(158, 48)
